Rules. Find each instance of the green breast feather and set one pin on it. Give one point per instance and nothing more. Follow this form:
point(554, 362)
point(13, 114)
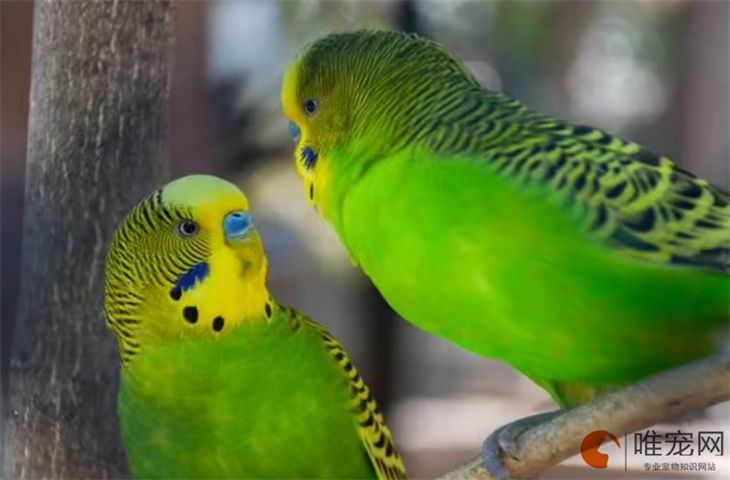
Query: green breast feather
point(274, 401)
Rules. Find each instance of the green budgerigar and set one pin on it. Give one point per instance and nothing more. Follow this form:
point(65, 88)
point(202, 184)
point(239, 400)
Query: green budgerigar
point(218, 380)
point(582, 259)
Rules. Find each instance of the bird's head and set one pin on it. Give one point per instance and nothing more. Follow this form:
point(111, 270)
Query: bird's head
point(186, 262)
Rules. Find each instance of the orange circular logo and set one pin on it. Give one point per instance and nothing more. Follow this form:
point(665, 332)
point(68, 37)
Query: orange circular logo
point(591, 444)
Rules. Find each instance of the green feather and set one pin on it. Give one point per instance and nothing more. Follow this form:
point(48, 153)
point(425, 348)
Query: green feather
point(580, 258)
point(262, 404)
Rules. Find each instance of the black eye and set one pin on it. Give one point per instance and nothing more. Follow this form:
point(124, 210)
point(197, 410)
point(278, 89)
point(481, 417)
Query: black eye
point(310, 107)
point(187, 228)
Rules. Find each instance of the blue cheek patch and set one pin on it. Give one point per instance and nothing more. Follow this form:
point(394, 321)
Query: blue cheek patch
point(195, 275)
point(294, 131)
point(309, 157)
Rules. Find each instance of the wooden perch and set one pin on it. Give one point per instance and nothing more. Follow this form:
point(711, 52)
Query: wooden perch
point(667, 395)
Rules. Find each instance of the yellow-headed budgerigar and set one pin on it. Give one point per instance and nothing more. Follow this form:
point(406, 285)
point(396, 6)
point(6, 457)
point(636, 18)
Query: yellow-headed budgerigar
point(218, 380)
point(581, 258)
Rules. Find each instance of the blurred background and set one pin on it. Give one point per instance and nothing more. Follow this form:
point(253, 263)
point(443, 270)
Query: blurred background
point(654, 71)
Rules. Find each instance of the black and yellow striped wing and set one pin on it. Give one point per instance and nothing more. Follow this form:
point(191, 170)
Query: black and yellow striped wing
point(640, 202)
point(375, 435)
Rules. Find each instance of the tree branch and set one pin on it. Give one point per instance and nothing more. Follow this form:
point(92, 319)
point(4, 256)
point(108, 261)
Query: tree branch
point(96, 145)
point(666, 395)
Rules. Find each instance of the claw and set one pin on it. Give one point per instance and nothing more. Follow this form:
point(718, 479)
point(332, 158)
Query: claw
point(503, 442)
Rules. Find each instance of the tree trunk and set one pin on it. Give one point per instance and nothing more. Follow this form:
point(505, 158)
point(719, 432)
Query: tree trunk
point(96, 145)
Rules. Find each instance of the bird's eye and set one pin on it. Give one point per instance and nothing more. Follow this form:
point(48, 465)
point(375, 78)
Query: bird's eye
point(187, 228)
point(310, 107)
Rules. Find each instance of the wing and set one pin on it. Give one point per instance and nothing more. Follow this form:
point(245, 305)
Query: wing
point(375, 435)
point(639, 202)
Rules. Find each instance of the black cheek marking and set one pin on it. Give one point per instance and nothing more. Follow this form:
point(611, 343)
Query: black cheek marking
point(267, 309)
point(190, 314)
point(176, 293)
point(311, 191)
point(218, 323)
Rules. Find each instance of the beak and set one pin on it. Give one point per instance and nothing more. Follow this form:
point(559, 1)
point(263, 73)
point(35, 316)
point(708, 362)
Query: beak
point(237, 226)
point(294, 131)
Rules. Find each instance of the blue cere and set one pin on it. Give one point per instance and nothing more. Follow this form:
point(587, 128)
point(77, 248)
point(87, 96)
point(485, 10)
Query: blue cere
point(294, 131)
point(237, 224)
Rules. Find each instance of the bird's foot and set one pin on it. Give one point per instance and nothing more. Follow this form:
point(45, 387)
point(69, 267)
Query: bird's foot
point(503, 441)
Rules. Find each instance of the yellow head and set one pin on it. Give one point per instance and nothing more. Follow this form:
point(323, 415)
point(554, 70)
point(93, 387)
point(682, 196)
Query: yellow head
point(185, 263)
point(354, 98)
